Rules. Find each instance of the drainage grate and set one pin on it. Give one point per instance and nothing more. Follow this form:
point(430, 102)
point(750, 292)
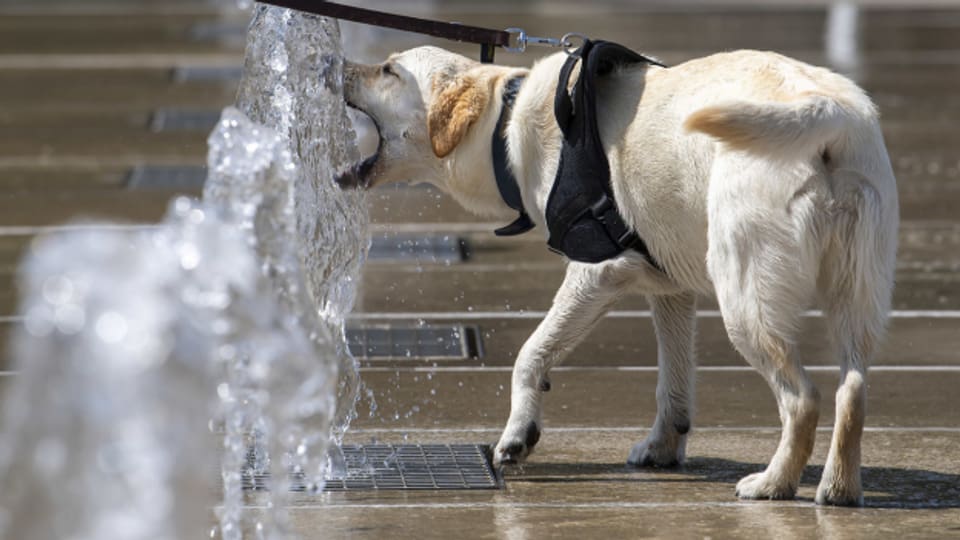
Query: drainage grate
point(405, 467)
point(187, 74)
point(438, 248)
point(384, 342)
point(184, 119)
point(168, 177)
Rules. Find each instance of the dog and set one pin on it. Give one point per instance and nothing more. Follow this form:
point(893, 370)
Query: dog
point(750, 175)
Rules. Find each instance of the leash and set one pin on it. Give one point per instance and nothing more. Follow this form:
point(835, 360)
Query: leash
point(513, 40)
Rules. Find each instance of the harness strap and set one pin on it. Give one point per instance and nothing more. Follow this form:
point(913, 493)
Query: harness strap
point(562, 101)
point(582, 215)
point(506, 180)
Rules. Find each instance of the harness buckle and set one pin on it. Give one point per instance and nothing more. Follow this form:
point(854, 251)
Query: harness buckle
point(570, 44)
point(628, 239)
point(600, 208)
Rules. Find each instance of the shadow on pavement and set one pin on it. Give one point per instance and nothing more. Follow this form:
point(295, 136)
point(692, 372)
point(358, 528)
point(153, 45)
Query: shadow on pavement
point(884, 487)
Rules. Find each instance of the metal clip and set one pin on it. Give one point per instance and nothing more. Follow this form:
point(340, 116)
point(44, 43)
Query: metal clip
point(522, 40)
point(567, 42)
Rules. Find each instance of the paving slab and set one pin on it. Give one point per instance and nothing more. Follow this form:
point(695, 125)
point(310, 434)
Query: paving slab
point(578, 486)
point(499, 275)
point(627, 341)
point(42, 96)
point(618, 396)
point(522, 522)
point(509, 289)
point(130, 33)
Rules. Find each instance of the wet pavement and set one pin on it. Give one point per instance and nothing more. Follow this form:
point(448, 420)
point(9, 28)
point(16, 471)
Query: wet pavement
point(81, 85)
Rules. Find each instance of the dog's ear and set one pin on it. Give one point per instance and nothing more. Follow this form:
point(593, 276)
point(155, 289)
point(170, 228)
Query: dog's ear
point(457, 103)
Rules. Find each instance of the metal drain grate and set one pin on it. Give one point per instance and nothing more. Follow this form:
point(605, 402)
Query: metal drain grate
point(405, 467)
point(168, 177)
point(384, 342)
point(184, 119)
point(423, 248)
point(188, 74)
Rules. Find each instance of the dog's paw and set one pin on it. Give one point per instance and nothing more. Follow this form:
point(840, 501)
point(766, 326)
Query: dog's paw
point(833, 493)
point(656, 453)
point(762, 486)
point(516, 445)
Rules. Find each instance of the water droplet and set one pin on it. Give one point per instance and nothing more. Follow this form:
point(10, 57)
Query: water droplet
point(111, 327)
point(38, 320)
point(189, 256)
point(58, 290)
point(70, 318)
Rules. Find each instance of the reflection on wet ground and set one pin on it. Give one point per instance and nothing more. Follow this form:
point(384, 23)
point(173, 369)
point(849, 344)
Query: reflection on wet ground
point(81, 85)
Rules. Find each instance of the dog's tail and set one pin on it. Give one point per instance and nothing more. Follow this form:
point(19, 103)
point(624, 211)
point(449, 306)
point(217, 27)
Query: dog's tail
point(810, 123)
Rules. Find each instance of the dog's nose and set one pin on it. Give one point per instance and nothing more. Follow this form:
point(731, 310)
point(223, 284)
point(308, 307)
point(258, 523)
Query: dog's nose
point(354, 73)
point(348, 179)
point(351, 83)
point(350, 73)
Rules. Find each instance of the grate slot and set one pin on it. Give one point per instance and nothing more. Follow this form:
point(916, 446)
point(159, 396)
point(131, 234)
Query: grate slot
point(404, 248)
point(174, 119)
point(388, 342)
point(171, 177)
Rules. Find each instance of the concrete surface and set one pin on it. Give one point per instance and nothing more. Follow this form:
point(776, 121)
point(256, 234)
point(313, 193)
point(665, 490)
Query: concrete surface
point(78, 85)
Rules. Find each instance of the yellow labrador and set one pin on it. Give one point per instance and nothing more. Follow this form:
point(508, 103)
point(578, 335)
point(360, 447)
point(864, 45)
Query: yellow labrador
point(751, 176)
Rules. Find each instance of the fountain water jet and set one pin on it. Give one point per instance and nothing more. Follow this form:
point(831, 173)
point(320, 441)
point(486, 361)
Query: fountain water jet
point(104, 432)
point(242, 297)
point(293, 83)
point(275, 170)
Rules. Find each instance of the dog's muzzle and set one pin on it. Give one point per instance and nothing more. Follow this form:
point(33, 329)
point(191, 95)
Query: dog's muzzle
point(357, 176)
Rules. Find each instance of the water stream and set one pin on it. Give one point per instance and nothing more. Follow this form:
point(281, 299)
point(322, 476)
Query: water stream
point(293, 83)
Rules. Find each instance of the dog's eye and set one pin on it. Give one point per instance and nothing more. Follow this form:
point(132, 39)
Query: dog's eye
point(387, 69)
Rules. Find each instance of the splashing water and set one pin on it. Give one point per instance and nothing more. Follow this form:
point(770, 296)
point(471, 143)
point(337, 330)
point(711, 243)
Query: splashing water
point(232, 309)
point(105, 425)
point(293, 83)
point(284, 398)
point(275, 171)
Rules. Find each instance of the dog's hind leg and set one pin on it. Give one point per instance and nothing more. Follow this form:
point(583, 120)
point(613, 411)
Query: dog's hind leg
point(799, 404)
point(763, 258)
point(856, 285)
point(587, 292)
point(674, 318)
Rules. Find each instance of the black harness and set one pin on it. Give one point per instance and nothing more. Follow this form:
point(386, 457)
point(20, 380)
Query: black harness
point(506, 181)
point(581, 213)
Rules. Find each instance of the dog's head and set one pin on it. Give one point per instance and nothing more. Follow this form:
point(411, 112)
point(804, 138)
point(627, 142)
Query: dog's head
point(423, 102)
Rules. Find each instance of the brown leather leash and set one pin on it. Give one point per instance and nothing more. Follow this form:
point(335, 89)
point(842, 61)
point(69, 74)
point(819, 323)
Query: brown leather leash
point(511, 39)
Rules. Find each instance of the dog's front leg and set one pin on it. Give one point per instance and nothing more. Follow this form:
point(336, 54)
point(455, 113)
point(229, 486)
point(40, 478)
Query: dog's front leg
point(674, 319)
point(587, 292)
